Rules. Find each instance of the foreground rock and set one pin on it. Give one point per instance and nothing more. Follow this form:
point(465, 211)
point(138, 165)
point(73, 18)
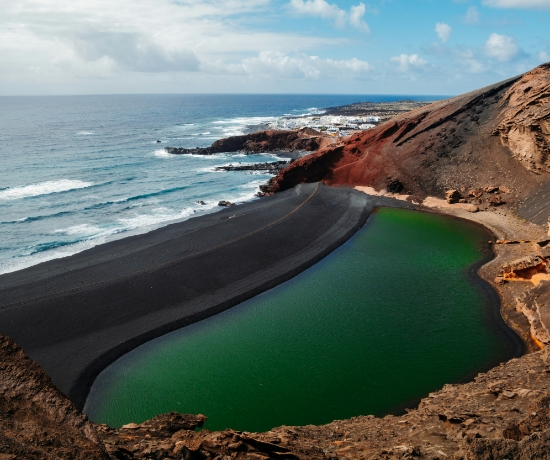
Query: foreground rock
point(263, 141)
point(36, 420)
point(504, 413)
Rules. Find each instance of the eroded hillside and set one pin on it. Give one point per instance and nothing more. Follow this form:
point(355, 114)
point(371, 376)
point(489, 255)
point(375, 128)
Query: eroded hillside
point(484, 151)
point(495, 136)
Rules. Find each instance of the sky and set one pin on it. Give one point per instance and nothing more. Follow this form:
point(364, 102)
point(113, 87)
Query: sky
point(424, 47)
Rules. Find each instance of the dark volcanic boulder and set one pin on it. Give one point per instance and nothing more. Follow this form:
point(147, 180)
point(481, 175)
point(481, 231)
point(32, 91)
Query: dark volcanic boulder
point(394, 185)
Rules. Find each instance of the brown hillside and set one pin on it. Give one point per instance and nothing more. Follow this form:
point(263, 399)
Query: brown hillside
point(498, 135)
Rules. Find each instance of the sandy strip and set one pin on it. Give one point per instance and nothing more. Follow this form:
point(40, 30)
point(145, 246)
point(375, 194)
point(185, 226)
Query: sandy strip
point(76, 315)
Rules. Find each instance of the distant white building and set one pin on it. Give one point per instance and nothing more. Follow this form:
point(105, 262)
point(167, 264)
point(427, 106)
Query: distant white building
point(372, 119)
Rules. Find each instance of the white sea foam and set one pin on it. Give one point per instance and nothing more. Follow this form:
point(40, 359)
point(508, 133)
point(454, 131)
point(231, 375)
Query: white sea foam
point(83, 230)
point(42, 188)
point(159, 216)
point(131, 226)
point(246, 120)
point(239, 125)
point(85, 133)
point(313, 111)
point(19, 263)
point(137, 224)
point(234, 131)
point(161, 153)
point(252, 185)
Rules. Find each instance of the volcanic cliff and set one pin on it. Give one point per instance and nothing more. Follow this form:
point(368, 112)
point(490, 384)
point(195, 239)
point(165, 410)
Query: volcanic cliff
point(471, 149)
point(496, 135)
point(305, 139)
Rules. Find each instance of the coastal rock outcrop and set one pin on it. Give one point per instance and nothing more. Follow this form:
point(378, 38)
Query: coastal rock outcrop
point(535, 305)
point(263, 141)
point(272, 167)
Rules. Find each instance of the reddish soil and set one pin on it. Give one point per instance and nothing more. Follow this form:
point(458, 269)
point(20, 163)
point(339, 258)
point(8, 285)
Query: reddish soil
point(498, 135)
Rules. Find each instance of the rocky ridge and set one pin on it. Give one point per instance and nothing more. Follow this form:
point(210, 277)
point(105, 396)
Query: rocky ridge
point(262, 141)
point(272, 167)
point(458, 154)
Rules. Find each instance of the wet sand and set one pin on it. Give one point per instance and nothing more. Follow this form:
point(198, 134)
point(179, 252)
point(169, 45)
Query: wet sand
point(76, 315)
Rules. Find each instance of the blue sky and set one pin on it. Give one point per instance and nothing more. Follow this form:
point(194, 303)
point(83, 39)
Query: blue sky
point(442, 47)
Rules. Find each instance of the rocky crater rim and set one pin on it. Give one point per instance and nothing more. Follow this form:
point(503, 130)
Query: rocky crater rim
point(432, 157)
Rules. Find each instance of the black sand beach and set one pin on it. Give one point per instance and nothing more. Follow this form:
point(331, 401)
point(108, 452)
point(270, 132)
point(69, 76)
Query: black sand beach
point(76, 315)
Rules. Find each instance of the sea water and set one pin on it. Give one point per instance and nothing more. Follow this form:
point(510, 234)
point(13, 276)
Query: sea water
point(78, 171)
point(393, 314)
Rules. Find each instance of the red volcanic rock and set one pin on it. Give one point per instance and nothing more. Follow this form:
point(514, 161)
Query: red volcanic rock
point(501, 132)
point(263, 141)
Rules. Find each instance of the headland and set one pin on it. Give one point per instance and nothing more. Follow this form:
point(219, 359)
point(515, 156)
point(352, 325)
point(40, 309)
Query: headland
point(482, 155)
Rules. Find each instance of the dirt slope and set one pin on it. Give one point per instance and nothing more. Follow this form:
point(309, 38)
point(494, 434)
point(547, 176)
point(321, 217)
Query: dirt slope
point(498, 135)
point(36, 420)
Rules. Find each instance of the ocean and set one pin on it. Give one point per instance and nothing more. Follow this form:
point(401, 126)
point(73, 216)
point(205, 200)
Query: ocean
point(78, 171)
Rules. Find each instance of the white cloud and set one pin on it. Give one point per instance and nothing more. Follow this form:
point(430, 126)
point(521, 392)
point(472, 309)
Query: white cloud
point(502, 47)
point(475, 66)
point(356, 14)
point(325, 10)
point(279, 65)
point(54, 41)
point(472, 16)
point(521, 4)
point(407, 62)
point(544, 56)
point(443, 31)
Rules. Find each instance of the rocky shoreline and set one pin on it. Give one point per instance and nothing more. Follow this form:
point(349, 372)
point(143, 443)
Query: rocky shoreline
point(305, 140)
point(271, 167)
point(430, 158)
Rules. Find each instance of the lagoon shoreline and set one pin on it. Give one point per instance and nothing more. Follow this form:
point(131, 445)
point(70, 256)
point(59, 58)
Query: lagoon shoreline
point(283, 204)
point(75, 316)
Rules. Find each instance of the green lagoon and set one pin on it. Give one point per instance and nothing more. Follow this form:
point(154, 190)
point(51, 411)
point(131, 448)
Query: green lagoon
point(388, 317)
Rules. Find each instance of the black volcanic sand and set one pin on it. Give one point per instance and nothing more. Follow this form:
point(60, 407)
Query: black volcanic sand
point(76, 315)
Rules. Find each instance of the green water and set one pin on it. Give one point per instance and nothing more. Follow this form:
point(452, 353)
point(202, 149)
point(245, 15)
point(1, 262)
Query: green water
point(388, 317)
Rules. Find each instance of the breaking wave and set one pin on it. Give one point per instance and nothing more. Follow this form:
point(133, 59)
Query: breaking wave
point(42, 188)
